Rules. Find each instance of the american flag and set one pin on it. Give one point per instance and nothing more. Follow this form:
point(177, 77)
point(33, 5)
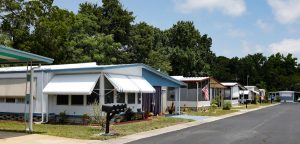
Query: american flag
point(205, 91)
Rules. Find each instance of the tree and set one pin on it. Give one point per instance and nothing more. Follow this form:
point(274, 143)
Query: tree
point(99, 48)
point(5, 40)
point(160, 60)
point(190, 52)
point(116, 20)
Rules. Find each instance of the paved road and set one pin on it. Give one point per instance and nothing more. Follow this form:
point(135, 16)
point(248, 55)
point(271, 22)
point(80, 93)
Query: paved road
point(274, 125)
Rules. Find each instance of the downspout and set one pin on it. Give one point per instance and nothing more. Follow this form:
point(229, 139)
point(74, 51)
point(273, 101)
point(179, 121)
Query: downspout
point(47, 118)
point(197, 96)
point(179, 99)
point(42, 108)
point(42, 101)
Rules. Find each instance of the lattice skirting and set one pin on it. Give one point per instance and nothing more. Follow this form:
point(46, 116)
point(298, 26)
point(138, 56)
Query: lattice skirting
point(19, 116)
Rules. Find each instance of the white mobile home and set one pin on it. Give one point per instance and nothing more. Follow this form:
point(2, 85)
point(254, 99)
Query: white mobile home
point(74, 87)
point(286, 96)
point(251, 93)
point(199, 91)
point(232, 92)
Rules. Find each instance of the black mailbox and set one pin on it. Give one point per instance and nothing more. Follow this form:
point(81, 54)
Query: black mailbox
point(111, 111)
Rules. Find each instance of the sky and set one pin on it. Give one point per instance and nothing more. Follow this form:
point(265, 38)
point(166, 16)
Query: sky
point(237, 27)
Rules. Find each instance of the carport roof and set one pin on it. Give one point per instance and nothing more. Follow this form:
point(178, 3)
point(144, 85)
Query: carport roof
point(11, 56)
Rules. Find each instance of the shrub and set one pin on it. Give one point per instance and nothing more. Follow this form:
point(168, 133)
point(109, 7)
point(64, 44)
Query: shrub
point(213, 107)
point(129, 114)
point(62, 117)
point(98, 116)
point(227, 105)
point(277, 99)
point(217, 101)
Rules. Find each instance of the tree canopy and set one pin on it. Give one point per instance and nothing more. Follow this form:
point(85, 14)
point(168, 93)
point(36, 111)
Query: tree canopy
point(108, 34)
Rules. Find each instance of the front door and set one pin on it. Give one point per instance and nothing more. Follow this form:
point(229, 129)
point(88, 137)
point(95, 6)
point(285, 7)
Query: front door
point(152, 102)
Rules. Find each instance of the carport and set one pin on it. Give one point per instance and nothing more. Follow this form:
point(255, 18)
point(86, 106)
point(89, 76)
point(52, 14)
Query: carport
point(14, 56)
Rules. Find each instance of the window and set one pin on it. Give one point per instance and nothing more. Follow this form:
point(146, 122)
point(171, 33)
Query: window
point(109, 96)
point(2, 100)
point(20, 100)
point(10, 100)
point(139, 98)
point(131, 98)
point(97, 86)
point(94, 97)
point(121, 98)
point(62, 100)
point(77, 100)
point(171, 94)
point(227, 94)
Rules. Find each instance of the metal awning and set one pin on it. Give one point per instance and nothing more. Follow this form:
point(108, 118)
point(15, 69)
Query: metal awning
point(12, 56)
point(14, 87)
point(130, 84)
point(75, 84)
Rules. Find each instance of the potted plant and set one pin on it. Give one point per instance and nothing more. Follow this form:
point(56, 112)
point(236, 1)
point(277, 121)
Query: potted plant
point(171, 109)
point(150, 114)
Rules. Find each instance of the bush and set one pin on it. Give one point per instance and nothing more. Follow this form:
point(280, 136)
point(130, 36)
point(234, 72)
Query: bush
point(217, 101)
point(277, 99)
point(62, 117)
point(129, 114)
point(227, 105)
point(213, 107)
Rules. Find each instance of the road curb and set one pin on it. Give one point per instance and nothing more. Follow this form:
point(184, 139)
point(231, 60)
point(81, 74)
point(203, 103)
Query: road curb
point(142, 135)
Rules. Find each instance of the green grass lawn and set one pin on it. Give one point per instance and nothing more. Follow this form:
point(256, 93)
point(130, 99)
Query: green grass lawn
point(88, 132)
point(218, 112)
point(251, 106)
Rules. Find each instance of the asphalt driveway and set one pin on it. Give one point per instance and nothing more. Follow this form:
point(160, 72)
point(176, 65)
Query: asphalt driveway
point(276, 125)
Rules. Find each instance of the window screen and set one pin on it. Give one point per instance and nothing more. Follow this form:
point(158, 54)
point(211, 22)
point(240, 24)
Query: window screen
point(139, 98)
point(109, 96)
point(131, 98)
point(62, 100)
point(10, 100)
point(20, 100)
point(121, 98)
point(94, 97)
point(77, 100)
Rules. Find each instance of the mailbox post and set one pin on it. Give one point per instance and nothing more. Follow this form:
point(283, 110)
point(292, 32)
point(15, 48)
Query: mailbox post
point(111, 111)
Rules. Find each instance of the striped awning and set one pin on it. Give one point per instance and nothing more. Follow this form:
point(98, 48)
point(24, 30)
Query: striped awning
point(10, 55)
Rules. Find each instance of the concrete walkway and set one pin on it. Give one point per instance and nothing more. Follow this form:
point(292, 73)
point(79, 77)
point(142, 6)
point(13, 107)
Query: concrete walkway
point(17, 138)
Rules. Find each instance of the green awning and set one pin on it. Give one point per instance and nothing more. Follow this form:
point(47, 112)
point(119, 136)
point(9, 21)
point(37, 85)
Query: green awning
point(10, 55)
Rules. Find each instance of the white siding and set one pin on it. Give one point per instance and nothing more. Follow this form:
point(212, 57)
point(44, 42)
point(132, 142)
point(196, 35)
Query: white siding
point(136, 71)
point(235, 92)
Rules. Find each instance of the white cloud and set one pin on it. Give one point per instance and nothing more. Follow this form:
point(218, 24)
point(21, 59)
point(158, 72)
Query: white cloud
point(247, 48)
point(231, 30)
point(236, 33)
point(286, 46)
point(264, 26)
point(227, 7)
point(286, 11)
